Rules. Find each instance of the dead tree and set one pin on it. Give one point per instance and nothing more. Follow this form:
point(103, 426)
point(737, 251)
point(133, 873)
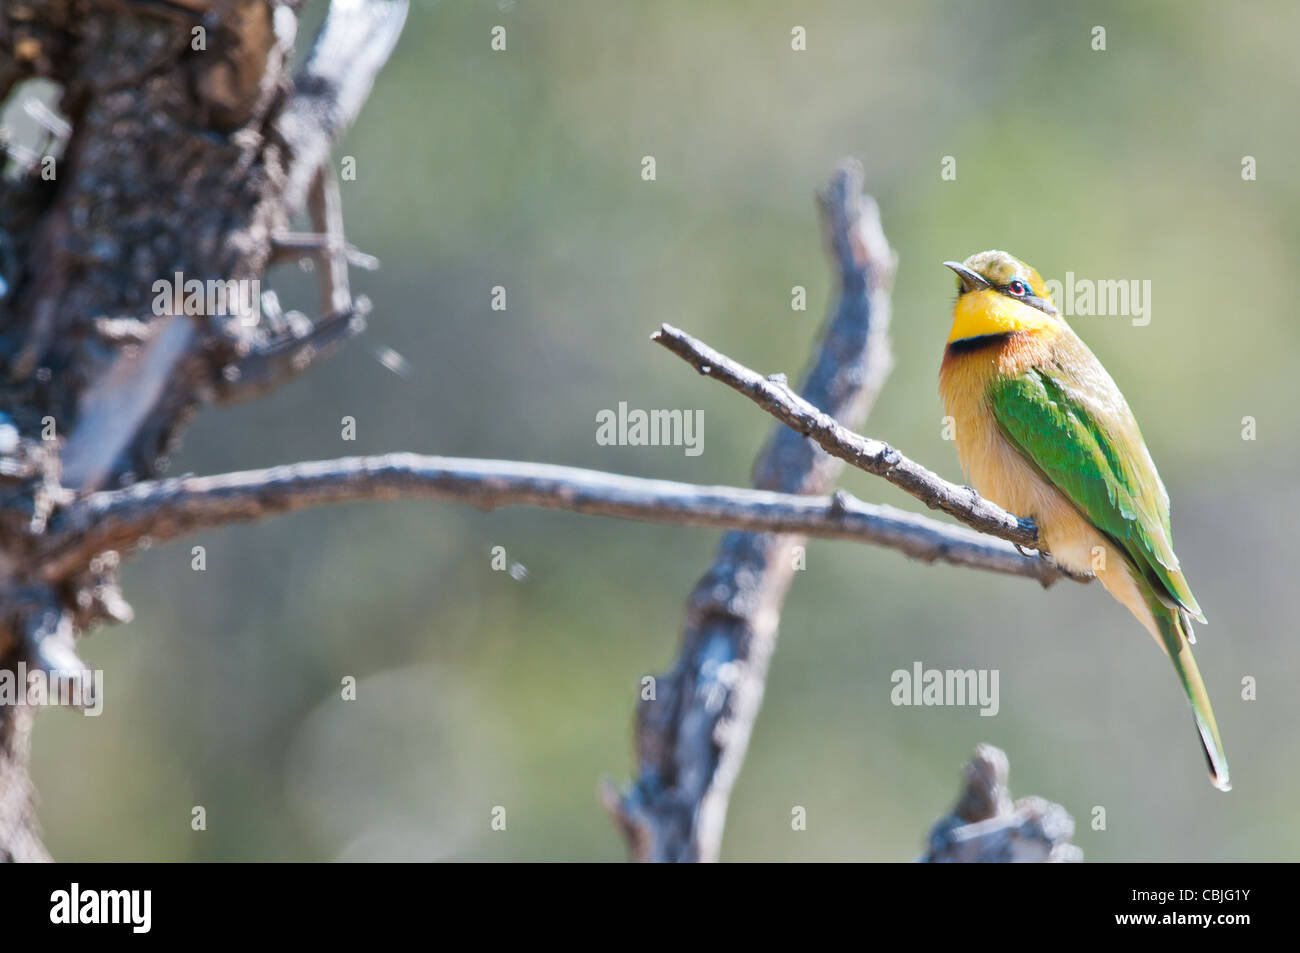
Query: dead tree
point(182, 145)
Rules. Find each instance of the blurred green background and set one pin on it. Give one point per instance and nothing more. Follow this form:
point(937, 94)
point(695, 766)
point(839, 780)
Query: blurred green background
point(522, 169)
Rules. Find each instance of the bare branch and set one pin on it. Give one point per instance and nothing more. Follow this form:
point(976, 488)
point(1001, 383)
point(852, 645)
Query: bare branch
point(288, 246)
point(325, 204)
point(692, 736)
point(873, 456)
point(985, 826)
point(166, 509)
point(289, 355)
point(351, 48)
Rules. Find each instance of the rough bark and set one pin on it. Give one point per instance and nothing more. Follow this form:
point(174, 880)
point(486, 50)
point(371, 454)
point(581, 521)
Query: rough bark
point(182, 148)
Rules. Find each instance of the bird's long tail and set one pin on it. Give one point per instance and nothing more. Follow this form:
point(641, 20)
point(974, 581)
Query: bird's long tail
point(1175, 631)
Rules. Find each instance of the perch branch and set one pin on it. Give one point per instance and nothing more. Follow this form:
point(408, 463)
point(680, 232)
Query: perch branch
point(161, 510)
point(873, 456)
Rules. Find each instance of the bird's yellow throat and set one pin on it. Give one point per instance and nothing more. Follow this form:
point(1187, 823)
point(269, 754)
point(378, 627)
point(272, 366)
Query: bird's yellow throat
point(979, 313)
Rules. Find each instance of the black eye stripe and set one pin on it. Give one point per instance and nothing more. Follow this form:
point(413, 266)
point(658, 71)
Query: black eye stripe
point(1028, 297)
point(1042, 304)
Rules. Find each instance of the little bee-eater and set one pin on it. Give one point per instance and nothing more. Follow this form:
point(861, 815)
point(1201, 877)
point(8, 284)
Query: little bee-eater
point(1042, 430)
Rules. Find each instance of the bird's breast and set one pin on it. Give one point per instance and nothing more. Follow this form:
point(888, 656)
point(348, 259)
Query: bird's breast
point(995, 468)
point(999, 472)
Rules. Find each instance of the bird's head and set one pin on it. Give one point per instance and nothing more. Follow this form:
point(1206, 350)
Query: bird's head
point(998, 294)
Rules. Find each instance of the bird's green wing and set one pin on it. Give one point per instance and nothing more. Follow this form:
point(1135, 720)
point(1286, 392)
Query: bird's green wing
point(1075, 427)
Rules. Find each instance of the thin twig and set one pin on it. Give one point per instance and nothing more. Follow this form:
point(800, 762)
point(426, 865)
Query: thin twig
point(289, 246)
point(325, 205)
point(873, 456)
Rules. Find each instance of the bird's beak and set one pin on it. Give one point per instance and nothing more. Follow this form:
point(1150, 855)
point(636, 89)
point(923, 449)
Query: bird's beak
point(970, 280)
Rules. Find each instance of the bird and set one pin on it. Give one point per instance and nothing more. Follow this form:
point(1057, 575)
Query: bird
point(1042, 430)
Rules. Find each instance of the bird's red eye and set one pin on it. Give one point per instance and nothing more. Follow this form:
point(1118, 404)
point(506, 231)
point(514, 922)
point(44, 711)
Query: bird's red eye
point(1017, 288)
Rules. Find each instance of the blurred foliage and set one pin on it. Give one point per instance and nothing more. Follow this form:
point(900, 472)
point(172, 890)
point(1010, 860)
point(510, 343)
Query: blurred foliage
point(522, 169)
